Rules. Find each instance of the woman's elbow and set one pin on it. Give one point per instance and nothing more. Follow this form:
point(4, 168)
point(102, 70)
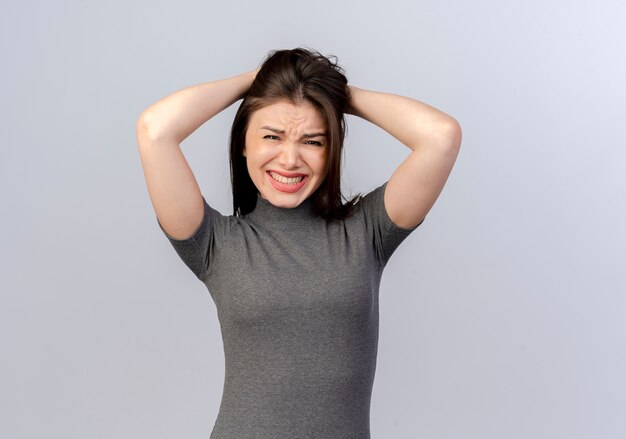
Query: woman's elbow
point(452, 133)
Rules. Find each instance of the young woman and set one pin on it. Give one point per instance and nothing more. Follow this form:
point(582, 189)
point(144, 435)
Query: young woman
point(294, 271)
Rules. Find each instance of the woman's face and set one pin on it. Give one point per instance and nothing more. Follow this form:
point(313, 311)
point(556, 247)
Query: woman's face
point(286, 152)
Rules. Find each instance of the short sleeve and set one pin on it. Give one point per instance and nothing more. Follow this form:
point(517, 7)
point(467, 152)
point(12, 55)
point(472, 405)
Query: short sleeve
point(385, 234)
point(198, 250)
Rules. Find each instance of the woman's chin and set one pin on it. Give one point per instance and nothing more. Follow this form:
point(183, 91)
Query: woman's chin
point(284, 200)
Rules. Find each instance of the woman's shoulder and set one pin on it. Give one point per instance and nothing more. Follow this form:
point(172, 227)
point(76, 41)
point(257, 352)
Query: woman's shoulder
point(371, 209)
point(364, 202)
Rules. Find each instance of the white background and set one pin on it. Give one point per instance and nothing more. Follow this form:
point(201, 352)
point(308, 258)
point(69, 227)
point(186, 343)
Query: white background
point(502, 315)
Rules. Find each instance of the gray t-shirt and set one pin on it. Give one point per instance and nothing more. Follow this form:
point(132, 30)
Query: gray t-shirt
point(297, 302)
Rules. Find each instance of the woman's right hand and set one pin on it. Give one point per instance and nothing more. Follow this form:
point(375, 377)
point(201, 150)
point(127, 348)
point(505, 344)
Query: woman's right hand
point(250, 77)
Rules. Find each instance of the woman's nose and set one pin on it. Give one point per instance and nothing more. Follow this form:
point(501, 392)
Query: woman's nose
point(290, 155)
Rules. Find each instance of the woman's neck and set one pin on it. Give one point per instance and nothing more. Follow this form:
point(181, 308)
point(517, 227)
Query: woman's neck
point(267, 212)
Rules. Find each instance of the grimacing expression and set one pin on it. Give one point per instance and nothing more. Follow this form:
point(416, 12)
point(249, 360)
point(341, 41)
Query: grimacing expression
point(286, 152)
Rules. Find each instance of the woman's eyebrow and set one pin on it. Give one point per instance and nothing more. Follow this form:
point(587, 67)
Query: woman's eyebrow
point(323, 134)
point(307, 136)
point(274, 130)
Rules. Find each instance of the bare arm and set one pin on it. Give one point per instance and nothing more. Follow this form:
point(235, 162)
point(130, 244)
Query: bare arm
point(173, 189)
point(179, 114)
point(434, 139)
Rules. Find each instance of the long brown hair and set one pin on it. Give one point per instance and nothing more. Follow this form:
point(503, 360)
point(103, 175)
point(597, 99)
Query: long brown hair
point(297, 75)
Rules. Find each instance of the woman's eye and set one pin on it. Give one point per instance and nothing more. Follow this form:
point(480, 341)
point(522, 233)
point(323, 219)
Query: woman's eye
point(314, 142)
point(271, 137)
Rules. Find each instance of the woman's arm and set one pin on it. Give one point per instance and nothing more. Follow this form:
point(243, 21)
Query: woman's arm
point(178, 115)
point(172, 186)
point(434, 139)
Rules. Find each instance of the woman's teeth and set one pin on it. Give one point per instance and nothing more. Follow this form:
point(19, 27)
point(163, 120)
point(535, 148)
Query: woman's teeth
point(286, 180)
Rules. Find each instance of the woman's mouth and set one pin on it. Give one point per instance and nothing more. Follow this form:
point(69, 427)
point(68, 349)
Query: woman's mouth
point(286, 184)
point(287, 180)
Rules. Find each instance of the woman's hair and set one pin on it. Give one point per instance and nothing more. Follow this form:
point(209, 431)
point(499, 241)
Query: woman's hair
point(298, 75)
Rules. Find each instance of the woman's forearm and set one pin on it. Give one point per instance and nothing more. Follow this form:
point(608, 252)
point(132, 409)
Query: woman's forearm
point(179, 114)
point(412, 122)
